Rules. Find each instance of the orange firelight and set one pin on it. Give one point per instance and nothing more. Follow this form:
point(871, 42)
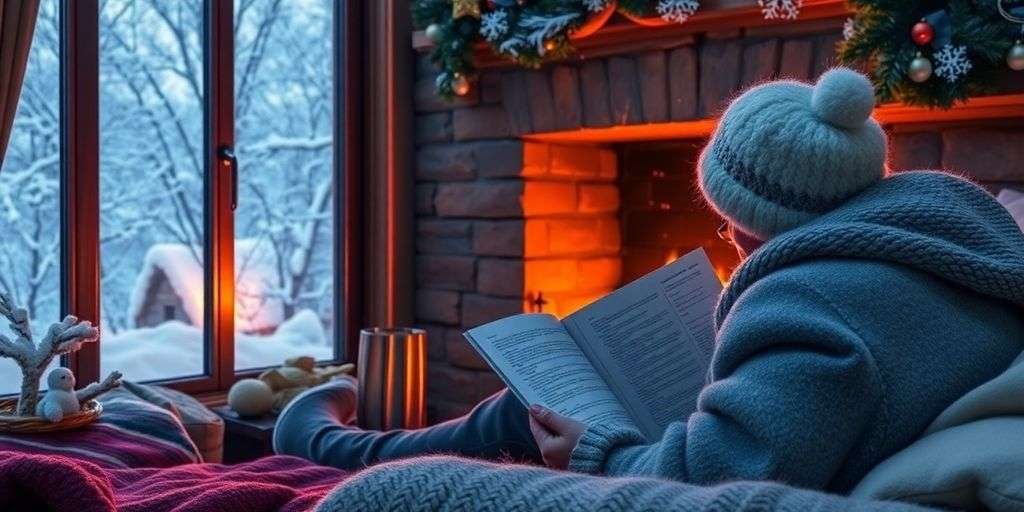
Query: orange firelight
point(721, 270)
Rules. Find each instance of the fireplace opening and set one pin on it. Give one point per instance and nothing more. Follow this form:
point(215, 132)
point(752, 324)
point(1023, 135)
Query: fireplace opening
point(663, 215)
point(598, 217)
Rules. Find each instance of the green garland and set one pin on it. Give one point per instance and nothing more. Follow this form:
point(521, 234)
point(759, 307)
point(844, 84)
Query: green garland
point(880, 36)
point(534, 32)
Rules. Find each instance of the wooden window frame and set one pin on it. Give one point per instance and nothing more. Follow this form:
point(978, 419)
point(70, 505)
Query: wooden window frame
point(80, 217)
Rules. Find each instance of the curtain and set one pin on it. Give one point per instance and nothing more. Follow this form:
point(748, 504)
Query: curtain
point(17, 21)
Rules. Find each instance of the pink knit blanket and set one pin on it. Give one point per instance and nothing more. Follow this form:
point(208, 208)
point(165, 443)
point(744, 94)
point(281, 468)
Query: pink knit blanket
point(58, 483)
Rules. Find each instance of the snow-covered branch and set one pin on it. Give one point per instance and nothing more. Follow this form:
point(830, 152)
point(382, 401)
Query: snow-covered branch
point(275, 142)
point(543, 27)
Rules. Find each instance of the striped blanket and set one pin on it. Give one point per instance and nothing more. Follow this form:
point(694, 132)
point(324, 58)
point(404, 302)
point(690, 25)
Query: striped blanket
point(130, 434)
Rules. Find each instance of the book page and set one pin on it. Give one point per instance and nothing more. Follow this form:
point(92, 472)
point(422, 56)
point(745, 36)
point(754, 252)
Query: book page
point(541, 364)
point(652, 340)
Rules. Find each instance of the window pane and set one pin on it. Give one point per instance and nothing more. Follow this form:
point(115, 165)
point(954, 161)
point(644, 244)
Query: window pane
point(151, 188)
point(30, 192)
point(284, 226)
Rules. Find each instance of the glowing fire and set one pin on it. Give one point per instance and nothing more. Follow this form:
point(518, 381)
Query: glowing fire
point(723, 273)
point(672, 256)
point(721, 270)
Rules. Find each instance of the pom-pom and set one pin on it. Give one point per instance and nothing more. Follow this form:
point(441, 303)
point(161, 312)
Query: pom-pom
point(843, 97)
point(250, 397)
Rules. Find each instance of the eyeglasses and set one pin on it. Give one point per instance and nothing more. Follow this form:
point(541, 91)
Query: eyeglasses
point(724, 233)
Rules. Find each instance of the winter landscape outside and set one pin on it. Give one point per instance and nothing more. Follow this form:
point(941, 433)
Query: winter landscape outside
point(151, 185)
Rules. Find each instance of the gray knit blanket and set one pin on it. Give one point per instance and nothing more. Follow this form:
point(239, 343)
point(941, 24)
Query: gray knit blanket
point(454, 484)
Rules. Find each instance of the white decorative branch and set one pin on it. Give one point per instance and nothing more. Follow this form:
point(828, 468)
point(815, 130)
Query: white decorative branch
point(61, 338)
point(96, 389)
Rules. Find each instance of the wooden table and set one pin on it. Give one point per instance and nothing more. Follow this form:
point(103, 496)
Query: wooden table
point(246, 438)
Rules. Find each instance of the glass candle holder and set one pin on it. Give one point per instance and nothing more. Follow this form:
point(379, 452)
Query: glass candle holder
point(392, 369)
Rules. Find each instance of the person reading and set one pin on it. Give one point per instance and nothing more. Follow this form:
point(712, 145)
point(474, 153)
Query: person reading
point(867, 302)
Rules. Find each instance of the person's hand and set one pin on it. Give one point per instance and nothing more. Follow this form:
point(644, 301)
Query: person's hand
point(556, 435)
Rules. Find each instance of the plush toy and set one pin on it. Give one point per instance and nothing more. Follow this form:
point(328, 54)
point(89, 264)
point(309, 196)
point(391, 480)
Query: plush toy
point(297, 375)
point(250, 397)
point(60, 399)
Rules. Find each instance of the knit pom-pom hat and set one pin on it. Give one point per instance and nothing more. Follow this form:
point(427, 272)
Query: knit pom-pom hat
point(786, 152)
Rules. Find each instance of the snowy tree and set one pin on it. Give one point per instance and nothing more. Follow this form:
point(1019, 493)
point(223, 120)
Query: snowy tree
point(151, 152)
point(29, 183)
point(283, 115)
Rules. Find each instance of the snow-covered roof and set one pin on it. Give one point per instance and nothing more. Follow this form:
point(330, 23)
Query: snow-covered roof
point(256, 305)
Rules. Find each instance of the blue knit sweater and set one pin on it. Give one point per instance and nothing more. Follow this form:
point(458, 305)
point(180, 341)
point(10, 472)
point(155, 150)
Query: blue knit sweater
point(839, 341)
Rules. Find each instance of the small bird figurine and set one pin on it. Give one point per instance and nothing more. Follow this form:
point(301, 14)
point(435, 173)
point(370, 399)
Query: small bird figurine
point(60, 398)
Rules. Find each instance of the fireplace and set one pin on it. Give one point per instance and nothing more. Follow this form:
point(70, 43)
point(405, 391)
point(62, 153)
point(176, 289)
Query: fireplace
point(663, 215)
point(544, 189)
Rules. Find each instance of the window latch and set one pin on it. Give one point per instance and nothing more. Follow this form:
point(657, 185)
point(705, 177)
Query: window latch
point(228, 159)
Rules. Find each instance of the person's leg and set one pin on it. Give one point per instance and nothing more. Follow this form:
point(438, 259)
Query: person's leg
point(318, 426)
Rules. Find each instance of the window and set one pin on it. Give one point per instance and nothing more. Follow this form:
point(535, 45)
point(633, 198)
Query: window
point(30, 190)
point(151, 188)
point(284, 275)
point(190, 287)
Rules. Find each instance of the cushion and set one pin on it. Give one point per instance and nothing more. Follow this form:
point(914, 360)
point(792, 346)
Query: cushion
point(971, 456)
point(976, 466)
point(205, 428)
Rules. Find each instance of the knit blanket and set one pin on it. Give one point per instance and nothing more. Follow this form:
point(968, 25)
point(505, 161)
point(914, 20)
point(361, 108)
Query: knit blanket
point(58, 483)
point(451, 484)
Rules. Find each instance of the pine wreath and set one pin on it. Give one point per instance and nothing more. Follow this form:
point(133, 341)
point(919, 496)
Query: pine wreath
point(880, 37)
point(527, 32)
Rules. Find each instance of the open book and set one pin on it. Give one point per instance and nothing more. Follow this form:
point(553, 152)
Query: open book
point(637, 357)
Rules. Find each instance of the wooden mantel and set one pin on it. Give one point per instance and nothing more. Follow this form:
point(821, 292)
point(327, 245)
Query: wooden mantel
point(1006, 106)
point(623, 36)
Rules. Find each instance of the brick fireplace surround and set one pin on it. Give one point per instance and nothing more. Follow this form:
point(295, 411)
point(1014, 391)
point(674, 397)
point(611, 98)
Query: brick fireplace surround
point(504, 214)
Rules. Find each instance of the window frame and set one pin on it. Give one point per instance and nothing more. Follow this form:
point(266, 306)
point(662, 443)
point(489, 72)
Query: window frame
point(80, 218)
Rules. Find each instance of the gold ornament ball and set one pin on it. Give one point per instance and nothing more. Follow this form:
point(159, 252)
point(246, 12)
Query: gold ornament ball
point(550, 45)
point(460, 85)
point(920, 69)
point(1015, 57)
point(434, 32)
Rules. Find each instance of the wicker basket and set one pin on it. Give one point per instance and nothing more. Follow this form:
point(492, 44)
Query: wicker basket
point(9, 423)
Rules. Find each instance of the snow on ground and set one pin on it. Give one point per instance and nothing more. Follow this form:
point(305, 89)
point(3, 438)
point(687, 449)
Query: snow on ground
point(174, 349)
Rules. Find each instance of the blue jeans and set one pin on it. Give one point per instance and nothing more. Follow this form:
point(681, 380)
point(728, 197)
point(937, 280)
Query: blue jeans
point(319, 426)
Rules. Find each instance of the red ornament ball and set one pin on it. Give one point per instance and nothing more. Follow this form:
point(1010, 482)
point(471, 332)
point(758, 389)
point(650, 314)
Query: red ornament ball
point(922, 33)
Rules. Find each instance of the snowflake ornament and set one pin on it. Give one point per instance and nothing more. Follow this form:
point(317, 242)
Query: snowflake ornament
point(953, 62)
point(780, 9)
point(494, 24)
point(595, 5)
point(849, 29)
point(677, 11)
